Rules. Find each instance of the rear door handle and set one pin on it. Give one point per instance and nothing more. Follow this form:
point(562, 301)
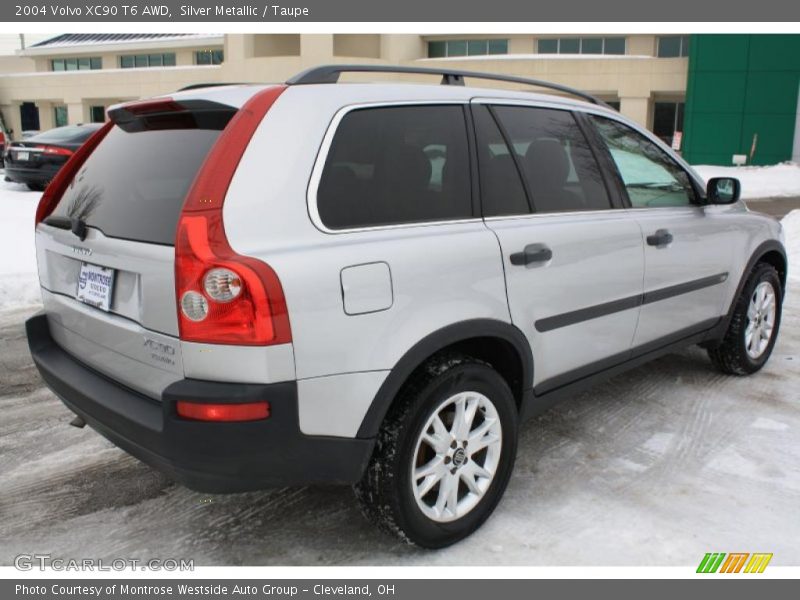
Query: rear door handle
point(533, 253)
point(660, 238)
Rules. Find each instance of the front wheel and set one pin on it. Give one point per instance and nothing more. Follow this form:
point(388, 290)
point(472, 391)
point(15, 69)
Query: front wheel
point(444, 455)
point(754, 325)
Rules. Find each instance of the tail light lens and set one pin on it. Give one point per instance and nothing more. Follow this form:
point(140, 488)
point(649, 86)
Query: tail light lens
point(250, 411)
point(66, 174)
point(223, 297)
point(55, 151)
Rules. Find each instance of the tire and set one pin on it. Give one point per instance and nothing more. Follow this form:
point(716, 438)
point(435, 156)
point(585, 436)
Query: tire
point(36, 187)
point(386, 492)
point(733, 355)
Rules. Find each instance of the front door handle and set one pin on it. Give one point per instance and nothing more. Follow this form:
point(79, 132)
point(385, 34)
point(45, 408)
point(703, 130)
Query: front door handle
point(533, 253)
point(660, 238)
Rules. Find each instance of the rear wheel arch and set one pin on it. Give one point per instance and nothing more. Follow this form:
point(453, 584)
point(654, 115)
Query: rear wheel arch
point(771, 252)
point(500, 344)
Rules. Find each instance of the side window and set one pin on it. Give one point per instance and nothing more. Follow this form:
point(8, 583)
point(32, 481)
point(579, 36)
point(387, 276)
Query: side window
point(651, 177)
point(556, 161)
point(502, 192)
point(394, 165)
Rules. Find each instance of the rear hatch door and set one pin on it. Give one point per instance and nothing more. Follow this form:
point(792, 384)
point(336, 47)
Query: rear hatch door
point(106, 252)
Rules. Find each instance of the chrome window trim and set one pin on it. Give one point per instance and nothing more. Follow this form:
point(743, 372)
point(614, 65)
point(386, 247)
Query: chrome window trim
point(322, 157)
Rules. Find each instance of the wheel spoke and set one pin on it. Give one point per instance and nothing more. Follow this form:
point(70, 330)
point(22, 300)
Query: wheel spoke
point(469, 480)
point(434, 465)
point(479, 471)
point(444, 493)
point(427, 485)
point(478, 445)
point(436, 442)
point(439, 428)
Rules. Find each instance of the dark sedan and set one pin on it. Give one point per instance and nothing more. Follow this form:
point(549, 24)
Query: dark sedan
point(36, 160)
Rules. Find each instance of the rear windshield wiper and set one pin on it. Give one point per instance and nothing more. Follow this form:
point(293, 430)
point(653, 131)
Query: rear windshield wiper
point(74, 224)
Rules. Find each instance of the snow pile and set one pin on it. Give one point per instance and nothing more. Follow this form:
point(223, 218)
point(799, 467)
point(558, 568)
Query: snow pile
point(19, 284)
point(776, 181)
point(791, 228)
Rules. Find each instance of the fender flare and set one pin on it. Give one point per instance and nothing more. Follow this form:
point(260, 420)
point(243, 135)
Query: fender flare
point(430, 345)
point(718, 333)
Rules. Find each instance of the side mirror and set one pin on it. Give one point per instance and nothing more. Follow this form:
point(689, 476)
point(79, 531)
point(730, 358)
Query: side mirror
point(723, 190)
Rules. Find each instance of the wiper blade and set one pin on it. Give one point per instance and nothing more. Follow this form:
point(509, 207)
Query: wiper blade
point(74, 224)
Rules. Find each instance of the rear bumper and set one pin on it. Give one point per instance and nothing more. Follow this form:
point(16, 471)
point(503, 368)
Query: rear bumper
point(39, 175)
point(209, 457)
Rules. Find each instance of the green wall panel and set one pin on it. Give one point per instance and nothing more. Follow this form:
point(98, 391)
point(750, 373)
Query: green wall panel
point(740, 85)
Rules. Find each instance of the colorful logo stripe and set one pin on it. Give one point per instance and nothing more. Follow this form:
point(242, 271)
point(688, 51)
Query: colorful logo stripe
point(714, 562)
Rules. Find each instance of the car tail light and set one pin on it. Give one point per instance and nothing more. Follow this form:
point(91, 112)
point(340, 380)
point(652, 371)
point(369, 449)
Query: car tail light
point(223, 297)
point(65, 175)
point(250, 411)
point(55, 150)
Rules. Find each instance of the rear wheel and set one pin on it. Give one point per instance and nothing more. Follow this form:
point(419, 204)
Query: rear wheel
point(754, 325)
point(36, 187)
point(444, 455)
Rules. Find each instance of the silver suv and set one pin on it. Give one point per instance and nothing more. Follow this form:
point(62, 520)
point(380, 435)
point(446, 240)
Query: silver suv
point(374, 284)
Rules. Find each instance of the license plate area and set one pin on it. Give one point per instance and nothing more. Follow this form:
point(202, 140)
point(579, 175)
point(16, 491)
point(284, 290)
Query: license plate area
point(23, 156)
point(95, 286)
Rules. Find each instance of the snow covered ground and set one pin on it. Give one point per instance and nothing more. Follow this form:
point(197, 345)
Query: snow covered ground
point(655, 467)
point(776, 181)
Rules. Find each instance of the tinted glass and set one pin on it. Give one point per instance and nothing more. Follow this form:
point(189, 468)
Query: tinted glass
point(126, 62)
point(556, 160)
point(437, 49)
point(498, 46)
point(651, 177)
point(96, 62)
point(58, 64)
point(570, 46)
point(669, 46)
point(69, 134)
point(134, 184)
point(396, 165)
point(614, 45)
point(548, 46)
point(457, 48)
point(502, 191)
point(477, 47)
point(169, 60)
point(592, 46)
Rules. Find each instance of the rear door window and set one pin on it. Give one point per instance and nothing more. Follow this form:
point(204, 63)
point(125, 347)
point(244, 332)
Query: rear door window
point(396, 165)
point(134, 183)
point(555, 159)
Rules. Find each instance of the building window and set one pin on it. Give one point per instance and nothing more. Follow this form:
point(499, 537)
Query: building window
point(208, 57)
point(97, 114)
point(667, 119)
point(585, 45)
point(142, 61)
point(447, 48)
point(672, 46)
point(60, 116)
point(76, 64)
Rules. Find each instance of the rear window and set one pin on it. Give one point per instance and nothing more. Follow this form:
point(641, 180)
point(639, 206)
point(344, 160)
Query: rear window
point(396, 165)
point(133, 185)
point(74, 134)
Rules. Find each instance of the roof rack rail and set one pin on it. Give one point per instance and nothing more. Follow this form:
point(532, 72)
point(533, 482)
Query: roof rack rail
point(331, 73)
point(199, 86)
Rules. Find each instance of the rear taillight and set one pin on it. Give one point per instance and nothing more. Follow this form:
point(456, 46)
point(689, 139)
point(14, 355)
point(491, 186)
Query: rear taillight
point(250, 411)
point(223, 297)
point(55, 150)
point(66, 174)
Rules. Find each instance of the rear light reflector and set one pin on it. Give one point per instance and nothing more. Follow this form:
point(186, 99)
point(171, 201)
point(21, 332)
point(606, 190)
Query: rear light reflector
point(250, 411)
point(55, 150)
point(66, 174)
point(224, 297)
